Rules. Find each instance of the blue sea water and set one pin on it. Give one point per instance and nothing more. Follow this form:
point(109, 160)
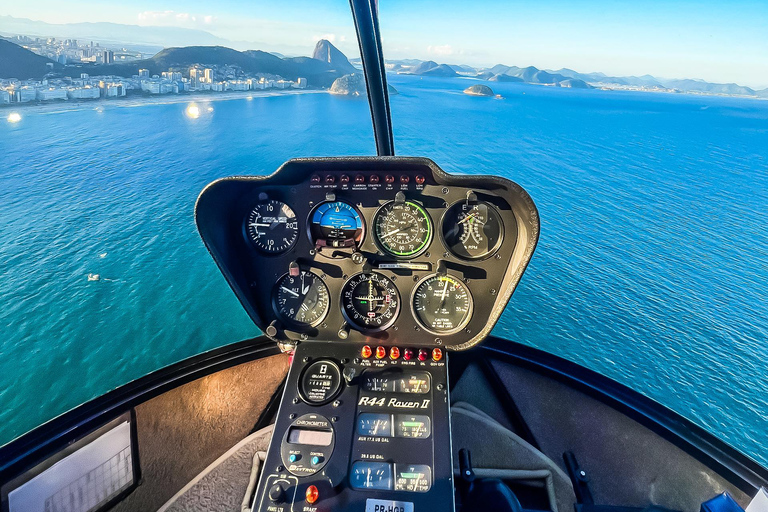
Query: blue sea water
point(651, 267)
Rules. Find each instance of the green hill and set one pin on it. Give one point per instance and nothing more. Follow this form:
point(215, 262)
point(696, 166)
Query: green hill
point(18, 62)
point(317, 73)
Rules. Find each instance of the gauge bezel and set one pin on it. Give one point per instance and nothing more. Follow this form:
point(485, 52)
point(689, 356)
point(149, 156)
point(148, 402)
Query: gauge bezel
point(491, 251)
point(293, 323)
point(367, 329)
point(353, 248)
point(331, 396)
point(249, 240)
point(464, 322)
point(420, 251)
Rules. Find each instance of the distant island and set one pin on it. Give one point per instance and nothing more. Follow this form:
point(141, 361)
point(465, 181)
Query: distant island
point(354, 85)
point(479, 90)
point(569, 78)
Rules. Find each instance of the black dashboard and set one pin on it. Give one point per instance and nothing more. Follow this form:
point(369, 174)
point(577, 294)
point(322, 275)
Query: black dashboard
point(369, 271)
point(376, 250)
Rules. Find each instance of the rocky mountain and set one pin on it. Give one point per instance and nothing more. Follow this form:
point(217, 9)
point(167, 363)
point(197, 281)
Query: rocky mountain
point(432, 68)
point(354, 85)
point(18, 62)
point(479, 90)
point(500, 77)
point(326, 52)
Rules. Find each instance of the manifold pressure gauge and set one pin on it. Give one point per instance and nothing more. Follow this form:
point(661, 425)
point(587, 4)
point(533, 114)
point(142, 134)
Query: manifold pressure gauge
point(442, 304)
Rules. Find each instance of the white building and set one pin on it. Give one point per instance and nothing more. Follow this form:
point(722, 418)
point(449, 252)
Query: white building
point(24, 94)
point(237, 85)
point(112, 89)
point(5, 96)
point(301, 83)
point(83, 93)
point(283, 84)
point(143, 73)
point(217, 87)
point(208, 76)
point(51, 94)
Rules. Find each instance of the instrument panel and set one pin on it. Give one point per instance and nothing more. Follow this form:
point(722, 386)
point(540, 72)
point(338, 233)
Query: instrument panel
point(379, 250)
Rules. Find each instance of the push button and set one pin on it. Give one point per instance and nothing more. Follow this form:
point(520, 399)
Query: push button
point(294, 457)
point(316, 460)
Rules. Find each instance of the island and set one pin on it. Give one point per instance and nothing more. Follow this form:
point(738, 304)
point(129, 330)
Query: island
point(354, 85)
point(479, 90)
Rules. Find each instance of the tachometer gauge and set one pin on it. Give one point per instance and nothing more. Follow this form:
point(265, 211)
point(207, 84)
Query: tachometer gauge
point(442, 304)
point(402, 228)
point(370, 301)
point(472, 230)
point(302, 301)
point(335, 224)
point(272, 227)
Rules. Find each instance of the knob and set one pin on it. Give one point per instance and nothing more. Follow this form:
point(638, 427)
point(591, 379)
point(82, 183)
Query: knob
point(277, 493)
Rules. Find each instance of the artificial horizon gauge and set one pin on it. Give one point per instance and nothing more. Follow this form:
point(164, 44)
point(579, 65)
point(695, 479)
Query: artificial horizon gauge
point(402, 228)
point(302, 300)
point(370, 301)
point(271, 226)
point(441, 304)
point(335, 224)
point(472, 230)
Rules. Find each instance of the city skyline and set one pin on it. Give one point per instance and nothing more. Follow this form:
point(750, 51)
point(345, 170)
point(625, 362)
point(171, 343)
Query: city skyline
point(704, 40)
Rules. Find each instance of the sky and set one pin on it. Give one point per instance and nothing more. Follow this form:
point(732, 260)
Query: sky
point(715, 41)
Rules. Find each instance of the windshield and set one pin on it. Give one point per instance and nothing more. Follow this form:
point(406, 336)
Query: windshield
point(640, 131)
point(112, 120)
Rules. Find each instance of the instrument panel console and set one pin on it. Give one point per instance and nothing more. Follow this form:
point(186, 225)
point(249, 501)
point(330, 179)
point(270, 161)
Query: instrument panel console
point(378, 250)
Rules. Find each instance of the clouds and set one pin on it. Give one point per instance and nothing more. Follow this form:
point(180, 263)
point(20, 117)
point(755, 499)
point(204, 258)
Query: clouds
point(443, 50)
point(174, 18)
point(333, 38)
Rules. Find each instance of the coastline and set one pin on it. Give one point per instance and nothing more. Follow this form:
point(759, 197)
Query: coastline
point(141, 100)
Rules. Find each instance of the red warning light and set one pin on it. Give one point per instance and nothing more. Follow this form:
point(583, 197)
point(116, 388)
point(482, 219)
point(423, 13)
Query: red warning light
point(312, 494)
point(408, 354)
point(423, 354)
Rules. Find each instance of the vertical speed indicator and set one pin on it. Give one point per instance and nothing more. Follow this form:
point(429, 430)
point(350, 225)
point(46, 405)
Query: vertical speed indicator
point(271, 226)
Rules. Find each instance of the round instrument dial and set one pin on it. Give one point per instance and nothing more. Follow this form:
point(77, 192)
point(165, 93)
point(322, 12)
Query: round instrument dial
point(442, 304)
point(272, 227)
point(302, 300)
point(472, 231)
point(370, 301)
point(402, 229)
point(335, 224)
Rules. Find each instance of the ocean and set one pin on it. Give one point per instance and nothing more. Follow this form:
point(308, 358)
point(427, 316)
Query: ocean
point(651, 268)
